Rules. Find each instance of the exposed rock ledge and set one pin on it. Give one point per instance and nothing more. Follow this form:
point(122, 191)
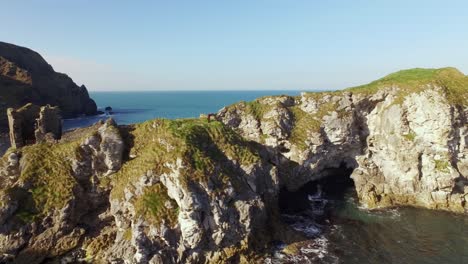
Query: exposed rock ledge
point(192, 191)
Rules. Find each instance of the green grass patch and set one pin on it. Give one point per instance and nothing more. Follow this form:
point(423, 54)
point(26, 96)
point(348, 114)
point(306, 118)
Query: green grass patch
point(257, 109)
point(405, 78)
point(127, 235)
point(152, 145)
point(263, 138)
point(304, 125)
point(47, 169)
point(156, 206)
point(410, 136)
point(453, 82)
point(442, 165)
point(47, 176)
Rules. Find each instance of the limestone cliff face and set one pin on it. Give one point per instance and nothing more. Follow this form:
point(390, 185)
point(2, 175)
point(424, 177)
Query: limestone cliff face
point(405, 138)
point(25, 77)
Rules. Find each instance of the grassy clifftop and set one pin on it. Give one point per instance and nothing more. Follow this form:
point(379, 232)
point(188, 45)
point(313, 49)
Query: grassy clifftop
point(415, 76)
point(454, 83)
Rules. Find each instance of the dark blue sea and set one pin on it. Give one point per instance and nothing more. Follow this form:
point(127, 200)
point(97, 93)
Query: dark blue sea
point(136, 107)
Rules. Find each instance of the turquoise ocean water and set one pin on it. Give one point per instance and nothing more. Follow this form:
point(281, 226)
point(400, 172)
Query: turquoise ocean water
point(135, 107)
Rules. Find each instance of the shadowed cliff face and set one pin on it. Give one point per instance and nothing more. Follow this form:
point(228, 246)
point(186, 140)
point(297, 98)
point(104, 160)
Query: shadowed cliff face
point(25, 77)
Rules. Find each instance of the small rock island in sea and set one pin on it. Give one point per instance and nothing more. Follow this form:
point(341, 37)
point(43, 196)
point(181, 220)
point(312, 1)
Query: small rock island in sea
point(193, 191)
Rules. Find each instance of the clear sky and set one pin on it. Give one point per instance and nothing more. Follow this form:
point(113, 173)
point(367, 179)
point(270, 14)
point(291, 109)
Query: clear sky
point(241, 44)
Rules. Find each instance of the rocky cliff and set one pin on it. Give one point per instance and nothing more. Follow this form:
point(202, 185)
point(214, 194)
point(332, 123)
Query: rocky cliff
point(25, 77)
point(193, 191)
point(405, 136)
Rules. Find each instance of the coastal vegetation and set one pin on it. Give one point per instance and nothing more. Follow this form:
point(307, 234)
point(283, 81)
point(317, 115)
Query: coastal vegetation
point(451, 80)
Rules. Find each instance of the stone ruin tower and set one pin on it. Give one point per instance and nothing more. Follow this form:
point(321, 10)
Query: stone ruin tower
point(32, 124)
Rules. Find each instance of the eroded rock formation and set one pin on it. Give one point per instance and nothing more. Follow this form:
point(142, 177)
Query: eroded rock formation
point(48, 124)
point(32, 124)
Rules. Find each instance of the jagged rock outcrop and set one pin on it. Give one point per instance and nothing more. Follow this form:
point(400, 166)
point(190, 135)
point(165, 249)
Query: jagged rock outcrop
point(21, 123)
point(194, 191)
point(48, 124)
point(51, 200)
point(33, 124)
point(25, 77)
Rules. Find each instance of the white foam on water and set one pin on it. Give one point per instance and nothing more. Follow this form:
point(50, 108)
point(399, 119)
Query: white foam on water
point(315, 249)
point(312, 251)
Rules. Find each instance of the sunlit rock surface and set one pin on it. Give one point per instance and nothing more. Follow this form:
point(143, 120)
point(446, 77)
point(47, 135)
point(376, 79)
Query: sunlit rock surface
point(405, 138)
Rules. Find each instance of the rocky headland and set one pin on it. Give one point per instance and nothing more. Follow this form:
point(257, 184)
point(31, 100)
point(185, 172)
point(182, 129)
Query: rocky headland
point(194, 191)
point(25, 77)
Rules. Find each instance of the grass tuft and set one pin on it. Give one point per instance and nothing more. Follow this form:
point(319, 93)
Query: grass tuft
point(410, 136)
point(156, 206)
point(442, 166)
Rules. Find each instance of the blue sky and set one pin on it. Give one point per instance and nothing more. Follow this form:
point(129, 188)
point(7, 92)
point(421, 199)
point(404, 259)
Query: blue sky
point(242, 44)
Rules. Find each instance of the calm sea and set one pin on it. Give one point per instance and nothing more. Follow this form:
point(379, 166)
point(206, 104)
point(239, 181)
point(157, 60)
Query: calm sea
point(136, 107)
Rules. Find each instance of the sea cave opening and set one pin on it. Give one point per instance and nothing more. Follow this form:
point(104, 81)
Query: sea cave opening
point(315, 198)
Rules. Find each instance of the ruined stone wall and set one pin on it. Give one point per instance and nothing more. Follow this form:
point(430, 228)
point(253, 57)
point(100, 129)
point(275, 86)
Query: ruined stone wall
point(31, 123)
point(49, 124)
point(21, 123)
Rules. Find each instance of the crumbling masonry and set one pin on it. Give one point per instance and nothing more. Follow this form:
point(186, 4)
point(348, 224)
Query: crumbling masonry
point(33, 124)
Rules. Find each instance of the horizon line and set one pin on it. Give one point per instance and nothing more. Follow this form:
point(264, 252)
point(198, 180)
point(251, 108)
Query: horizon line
point(218, 90)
